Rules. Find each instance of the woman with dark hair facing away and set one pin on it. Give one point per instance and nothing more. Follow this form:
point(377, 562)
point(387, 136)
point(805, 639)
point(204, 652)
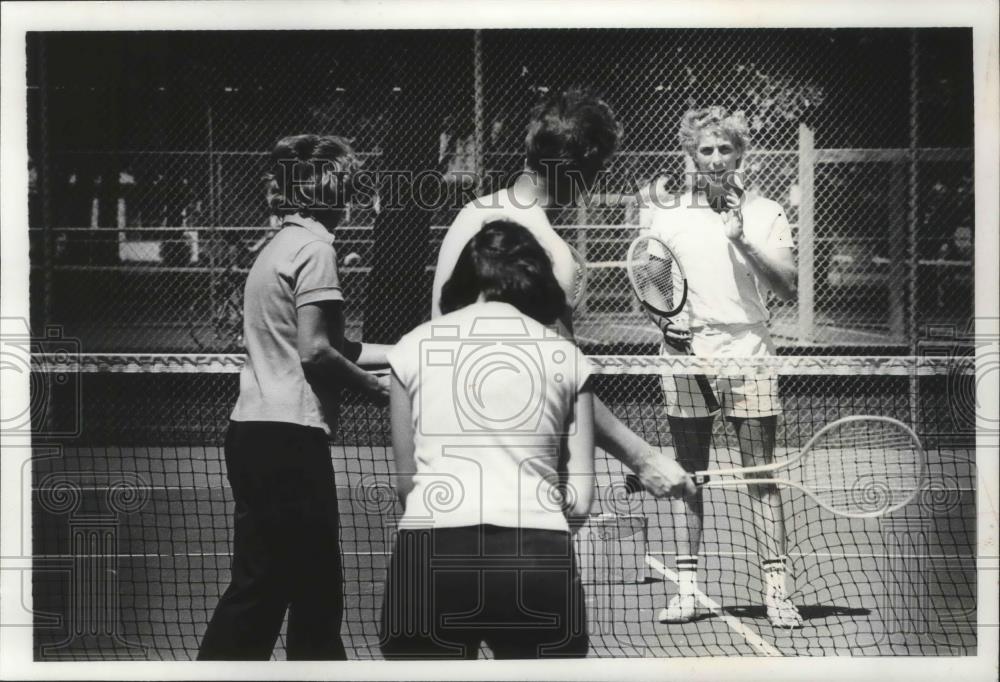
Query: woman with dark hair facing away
point(286, 554)
point(492, 434)
point(570, 139)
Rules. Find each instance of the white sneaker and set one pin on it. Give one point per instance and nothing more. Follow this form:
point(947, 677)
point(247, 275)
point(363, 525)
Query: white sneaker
point(780, 609)
point(682, 608)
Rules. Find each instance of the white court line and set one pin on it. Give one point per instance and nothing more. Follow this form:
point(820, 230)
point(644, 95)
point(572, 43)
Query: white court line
point(835, 555)
point(189, 555)
point(752, 638)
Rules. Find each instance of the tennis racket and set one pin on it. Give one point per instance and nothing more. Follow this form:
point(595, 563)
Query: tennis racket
point(658, 281)
point(579, 280)
point(861, 467)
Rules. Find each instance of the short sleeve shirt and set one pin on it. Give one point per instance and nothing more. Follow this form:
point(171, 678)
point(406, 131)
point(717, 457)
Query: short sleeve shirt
point(502, 205)
point(297, 267)
point(722, 286)
point(492, 394)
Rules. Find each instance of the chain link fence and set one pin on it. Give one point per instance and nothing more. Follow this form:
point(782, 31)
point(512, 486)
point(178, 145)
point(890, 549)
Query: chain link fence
point(147, 152)
point(147, 209)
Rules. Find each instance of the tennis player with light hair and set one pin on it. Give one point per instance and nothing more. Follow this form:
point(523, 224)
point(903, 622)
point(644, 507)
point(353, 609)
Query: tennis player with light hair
point(286, 554)
point(570, 139)
point(735, 246)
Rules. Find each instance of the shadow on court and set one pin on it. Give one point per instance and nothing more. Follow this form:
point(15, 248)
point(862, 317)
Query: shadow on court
point(810, 612)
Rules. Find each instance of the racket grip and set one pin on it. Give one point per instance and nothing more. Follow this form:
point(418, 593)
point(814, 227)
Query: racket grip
point(633, 485)
point(707, 393)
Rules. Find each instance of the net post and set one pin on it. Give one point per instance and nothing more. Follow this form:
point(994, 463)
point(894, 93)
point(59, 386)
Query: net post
point(807, 162)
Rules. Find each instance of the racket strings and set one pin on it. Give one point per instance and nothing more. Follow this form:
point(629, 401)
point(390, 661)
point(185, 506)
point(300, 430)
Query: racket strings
point(863, 467)
point(656, 277)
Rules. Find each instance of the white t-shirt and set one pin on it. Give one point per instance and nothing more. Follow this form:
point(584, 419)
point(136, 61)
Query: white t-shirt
point(298, 266)
point(492, 394)
point(502, 205)
point(722, 287)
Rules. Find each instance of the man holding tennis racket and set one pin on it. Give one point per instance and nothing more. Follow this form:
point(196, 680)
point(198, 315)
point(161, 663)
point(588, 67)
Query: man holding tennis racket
point(571, 136)
point(731, 247)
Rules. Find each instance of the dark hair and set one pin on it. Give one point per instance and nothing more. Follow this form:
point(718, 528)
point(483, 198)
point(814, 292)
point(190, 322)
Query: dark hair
point(504, 262)
point(576, 128)
point(310, 172)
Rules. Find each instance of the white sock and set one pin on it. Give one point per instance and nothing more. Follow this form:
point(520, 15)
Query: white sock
point(687, 574)
point(774, 574)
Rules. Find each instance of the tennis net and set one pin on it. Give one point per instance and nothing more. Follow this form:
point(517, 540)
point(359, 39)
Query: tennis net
point(132, 514)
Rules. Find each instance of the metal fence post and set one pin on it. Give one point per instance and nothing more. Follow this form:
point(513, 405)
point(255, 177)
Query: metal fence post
point(897, 252)
point(807, 245)
point(913, 219)
point(478, 105)
point(44, 170)
point(212, 245)
point(913, 214)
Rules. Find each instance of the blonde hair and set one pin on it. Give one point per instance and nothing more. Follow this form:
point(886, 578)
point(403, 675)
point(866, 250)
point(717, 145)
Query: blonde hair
point(697, 121)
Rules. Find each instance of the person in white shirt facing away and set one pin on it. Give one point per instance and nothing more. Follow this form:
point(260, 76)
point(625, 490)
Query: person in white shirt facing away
point(570, 139)
point(492, 435)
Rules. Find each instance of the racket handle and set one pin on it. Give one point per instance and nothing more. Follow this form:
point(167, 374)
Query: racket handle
point(707, 393)
point(633, 485)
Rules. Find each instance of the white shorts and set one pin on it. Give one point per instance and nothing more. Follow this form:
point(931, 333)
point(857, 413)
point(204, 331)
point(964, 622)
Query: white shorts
point(739, 397)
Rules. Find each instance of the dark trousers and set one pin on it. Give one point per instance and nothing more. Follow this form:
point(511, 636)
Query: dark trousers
point(286, 554)
point(449, 590)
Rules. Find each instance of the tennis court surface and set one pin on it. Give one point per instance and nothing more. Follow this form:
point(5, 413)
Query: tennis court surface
point(132, 518)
